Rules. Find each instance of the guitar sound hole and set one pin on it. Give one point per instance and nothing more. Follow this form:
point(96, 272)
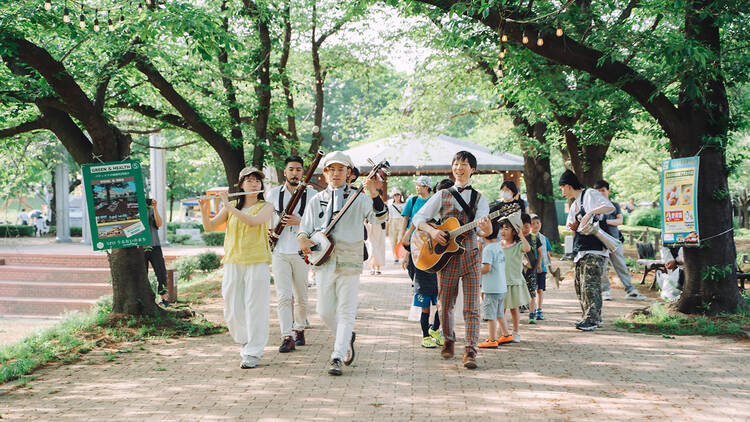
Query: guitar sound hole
point(440, 248)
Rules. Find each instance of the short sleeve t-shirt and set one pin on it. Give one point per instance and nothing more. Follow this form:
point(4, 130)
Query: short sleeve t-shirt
point(513, 275)
point(413, 204)
point(546, 247)
point(612, 230)
point(494, 281)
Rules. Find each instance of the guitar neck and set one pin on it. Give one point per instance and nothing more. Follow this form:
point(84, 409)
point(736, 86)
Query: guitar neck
point(469, 226)
point(341, 213)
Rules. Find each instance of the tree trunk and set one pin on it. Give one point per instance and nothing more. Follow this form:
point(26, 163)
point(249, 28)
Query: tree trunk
point(132, 293)
point(587, 160)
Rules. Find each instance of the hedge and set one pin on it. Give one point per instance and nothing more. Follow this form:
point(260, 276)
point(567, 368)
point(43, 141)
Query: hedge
point(650, 217)
point(16, 231)
point(172, 227)
point(213, 238)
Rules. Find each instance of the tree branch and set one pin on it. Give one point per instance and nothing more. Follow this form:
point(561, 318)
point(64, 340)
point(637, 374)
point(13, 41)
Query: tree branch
point(155, 114)
point(29, 126)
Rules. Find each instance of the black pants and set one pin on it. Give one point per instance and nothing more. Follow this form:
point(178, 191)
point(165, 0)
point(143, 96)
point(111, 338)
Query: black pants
point(154, 255)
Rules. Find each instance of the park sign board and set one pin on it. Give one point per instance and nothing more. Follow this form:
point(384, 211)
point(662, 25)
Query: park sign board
point(116, 204)
point(679, 202)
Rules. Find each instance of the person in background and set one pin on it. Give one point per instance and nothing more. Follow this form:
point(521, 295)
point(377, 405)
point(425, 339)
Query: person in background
point(532, 264)
point(246, 286)
point(395, 208)
point(23, 217)
point(609, 223)
point(494, 289)
point(630, 206)
point(541, 277)
point(514, 247)
point(509, 193)
point(154, 254)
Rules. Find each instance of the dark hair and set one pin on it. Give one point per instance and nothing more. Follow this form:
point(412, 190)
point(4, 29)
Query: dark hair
point(465, 156)
point(511, 185)
point(495, 230)
point(443, 184)
point(294, 159)
point(241, 200)
point(535, 217)
point(570, 178)
point(601, 184)
point(515, 233)
point(525, 218)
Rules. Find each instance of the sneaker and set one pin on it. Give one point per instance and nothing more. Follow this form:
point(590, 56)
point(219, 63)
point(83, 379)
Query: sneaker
point(523, 308)
point(635, 295)
point(334, 368)
point(437, 336)
point(532, 317)
point(299, 338)
point(377, 272)
point(504, 339)
point(539, 314)
point(606, 295)
point(350, 353)
point(287, 345)
point(163, 303)
point(249, 362)
point(599, 324)
point(429, 343)
point(516, 337)
point(488, 344)
point(586, 326)
point(470, 359)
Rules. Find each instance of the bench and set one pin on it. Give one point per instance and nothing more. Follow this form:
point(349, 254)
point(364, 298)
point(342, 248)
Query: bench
point(646, 254)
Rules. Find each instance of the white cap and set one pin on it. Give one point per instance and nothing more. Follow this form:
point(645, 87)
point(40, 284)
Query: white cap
point(395, 191)
point(424, 181)
point(337, 157)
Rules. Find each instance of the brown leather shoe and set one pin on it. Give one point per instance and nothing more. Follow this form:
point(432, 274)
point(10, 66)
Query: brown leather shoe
point(447, 352)
point(470, 359)
point(299, 338)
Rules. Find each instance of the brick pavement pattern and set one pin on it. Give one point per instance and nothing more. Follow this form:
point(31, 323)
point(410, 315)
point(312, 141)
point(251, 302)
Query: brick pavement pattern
point(555, 374)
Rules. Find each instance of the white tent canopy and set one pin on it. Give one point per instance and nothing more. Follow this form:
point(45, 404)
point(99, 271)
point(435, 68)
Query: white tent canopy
point(427, 154)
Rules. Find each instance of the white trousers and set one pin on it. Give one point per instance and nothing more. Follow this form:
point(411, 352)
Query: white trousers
point(617, 259)
point(290, 279)
point(337, 306)
point(247, 290)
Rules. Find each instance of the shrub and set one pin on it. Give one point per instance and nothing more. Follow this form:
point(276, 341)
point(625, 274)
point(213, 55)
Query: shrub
point(172, 227)
point(213, 238)
point(208, 261)
point(16, 231)
point(76, 231)
point(185, 266)
point(650, 217)
point(177, 239)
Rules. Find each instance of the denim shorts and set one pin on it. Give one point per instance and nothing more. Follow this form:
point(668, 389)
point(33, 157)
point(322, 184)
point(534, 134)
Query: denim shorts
point(424, 301)
point(493, 305)
point(541, 281)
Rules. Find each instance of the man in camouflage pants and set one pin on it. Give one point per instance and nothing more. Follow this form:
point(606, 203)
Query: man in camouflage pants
point(590, 252)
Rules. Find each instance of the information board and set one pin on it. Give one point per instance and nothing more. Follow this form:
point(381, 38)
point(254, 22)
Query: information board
point(116, 202)
point(679, 198)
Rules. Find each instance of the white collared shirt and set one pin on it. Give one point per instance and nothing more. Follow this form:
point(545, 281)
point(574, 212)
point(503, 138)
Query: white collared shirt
point(287, 242)
point(431, 209)
point(351, 226)
point(592, 200)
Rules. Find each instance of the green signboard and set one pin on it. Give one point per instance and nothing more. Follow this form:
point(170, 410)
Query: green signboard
point(116, 203)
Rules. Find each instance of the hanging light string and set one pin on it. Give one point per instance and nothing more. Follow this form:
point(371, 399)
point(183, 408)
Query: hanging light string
point(114, 8)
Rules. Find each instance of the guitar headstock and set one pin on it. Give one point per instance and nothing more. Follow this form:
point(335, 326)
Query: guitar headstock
point(381, 169)
point(507, 209)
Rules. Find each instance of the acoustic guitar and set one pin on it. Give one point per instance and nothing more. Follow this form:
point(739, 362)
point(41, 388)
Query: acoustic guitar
point(323, 247)
point(431, 256)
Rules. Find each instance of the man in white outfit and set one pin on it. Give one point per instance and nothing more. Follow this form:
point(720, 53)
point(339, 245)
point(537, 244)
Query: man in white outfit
point(288, 268)
point(338, 277)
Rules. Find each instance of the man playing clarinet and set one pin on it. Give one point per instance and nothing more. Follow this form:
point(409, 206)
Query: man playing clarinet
point(288, 268)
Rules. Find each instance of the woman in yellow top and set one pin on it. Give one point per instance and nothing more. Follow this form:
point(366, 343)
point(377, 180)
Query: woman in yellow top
point(246, 285)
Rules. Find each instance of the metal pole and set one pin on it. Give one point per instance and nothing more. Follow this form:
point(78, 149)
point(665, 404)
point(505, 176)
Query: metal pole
point(62, 217)
point(159, 182)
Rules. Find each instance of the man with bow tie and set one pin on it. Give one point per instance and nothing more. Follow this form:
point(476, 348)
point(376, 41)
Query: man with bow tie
point(466, 205)
point(338, 278)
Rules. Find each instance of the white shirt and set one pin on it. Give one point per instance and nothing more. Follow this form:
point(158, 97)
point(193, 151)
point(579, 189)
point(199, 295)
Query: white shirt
point(351, 226)
point(287, 242)
point(591, 201)
point(394, 210)
point(431, 209)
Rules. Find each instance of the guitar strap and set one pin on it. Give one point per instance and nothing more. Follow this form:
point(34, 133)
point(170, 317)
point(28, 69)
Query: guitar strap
point(281, 206)
point(333, 203)
point(468, 209)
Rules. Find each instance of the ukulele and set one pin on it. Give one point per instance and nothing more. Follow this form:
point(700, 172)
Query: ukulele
point(323, 247)
point(431, 257)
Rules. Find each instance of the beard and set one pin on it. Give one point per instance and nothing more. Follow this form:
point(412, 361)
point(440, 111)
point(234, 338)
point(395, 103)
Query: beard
point(292, 182)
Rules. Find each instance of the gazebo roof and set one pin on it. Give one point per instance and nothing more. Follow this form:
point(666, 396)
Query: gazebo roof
point(427, 154)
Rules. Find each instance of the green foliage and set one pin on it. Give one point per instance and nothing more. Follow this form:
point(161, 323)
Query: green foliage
point(76, 231)
point(185, 266)
point(172, 227)
point(16, 231)
point(650, 217)
point(213, 238)
point(178, 239)
point(208, 261)
point(715, 273)
point(720, 194)
point(656, 320)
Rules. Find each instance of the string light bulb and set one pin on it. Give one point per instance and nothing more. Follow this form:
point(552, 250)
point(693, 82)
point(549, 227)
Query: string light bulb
point(524, 37)
point(502, 53)
point(559, 31)
point(47, 5)
point(66, 13)
point(140, 7)
point(96, 20)
point(82, 21)
point(148, 2)
point(539, 39)
point(504, 37)
point(110, 25)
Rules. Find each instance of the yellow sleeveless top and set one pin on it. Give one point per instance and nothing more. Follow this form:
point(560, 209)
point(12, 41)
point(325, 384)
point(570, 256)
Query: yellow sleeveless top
point(246, 245)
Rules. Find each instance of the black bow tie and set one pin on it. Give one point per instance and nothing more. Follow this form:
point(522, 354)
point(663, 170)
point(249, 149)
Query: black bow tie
point(467, 187)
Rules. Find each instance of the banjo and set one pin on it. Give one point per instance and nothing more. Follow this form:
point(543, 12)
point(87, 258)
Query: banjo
point(323, 248)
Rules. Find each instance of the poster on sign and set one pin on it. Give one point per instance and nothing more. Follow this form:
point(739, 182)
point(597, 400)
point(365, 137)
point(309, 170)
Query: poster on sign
point(117, 211)
point(679, 212)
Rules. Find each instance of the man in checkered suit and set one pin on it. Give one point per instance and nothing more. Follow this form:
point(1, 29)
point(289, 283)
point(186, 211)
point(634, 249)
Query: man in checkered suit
point(465, 267)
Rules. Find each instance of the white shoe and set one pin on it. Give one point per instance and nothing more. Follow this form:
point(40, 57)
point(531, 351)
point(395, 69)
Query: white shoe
point(606, 295)
point(249, 362)
point(635, 295)
point(516, 337)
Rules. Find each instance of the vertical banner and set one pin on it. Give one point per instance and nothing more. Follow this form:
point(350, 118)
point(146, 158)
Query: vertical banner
point(679, 198)
point(116, 205)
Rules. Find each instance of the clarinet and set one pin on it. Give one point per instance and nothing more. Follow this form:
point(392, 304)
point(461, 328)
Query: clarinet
point(273, 234)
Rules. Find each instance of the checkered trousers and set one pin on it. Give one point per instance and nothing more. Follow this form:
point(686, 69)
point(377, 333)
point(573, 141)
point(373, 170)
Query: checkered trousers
point(464, 267)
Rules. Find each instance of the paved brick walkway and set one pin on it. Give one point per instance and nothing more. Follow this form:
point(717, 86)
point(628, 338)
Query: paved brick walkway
point(555, 374)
